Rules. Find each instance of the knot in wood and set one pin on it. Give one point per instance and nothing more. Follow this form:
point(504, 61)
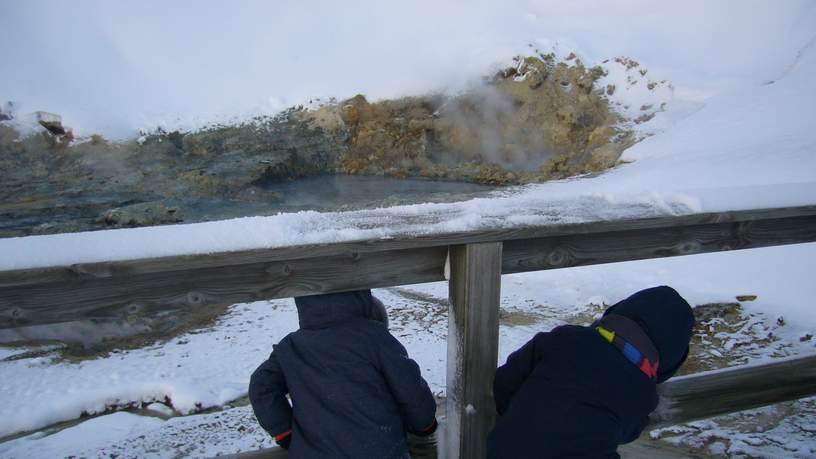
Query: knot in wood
point(355, 256)
point(16, 313)
point(557, 257)
point(195, 298)
point(91, 270)
point(689, 247)
point(287, 270)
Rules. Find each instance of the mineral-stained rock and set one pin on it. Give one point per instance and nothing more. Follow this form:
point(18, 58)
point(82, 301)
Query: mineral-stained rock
point(524, 117)
point(604, 157)
point(726, 311)
point(51, 122)
point(177, 139)
point(142, 214)
point(8, 139)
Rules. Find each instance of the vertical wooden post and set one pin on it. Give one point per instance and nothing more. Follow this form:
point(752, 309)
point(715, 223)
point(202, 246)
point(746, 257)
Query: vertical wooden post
point(473, 343)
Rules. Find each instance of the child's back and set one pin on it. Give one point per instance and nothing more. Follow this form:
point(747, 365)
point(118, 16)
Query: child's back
point(577, 392)
point(354, 390)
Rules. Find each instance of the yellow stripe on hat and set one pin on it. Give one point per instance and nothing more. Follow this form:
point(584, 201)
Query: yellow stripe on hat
point(608, 335)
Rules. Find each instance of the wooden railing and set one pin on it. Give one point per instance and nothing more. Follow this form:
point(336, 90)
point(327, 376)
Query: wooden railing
point(472, 261)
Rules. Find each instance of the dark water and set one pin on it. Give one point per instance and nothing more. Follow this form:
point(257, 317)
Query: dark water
point(335, 193)
point(341, 192)
point(72, 212)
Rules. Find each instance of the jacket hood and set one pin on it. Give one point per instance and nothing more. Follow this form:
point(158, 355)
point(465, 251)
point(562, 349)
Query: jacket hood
point(322, 311)
point(666, 318)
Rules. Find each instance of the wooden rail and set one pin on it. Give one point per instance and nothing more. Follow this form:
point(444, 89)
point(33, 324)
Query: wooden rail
point(120, 288)
point(476, 259)
point(703, 395)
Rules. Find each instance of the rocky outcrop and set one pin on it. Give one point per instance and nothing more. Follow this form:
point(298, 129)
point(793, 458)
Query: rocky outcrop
point(51, 122)
point(535, 120)
point(142, 214)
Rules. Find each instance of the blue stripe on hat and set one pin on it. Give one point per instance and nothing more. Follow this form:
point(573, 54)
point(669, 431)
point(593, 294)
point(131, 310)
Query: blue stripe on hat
point(631, 353)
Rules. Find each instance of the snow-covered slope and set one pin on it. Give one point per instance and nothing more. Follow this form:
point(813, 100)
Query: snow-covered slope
point(114, 67)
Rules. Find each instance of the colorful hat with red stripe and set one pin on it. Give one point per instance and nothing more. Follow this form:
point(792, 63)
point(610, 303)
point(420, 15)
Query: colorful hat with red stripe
point(626, 335)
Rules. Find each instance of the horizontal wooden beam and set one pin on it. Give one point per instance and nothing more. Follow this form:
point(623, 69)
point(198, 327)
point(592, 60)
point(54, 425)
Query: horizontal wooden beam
point(704, 395)
point(121, 296)
point(213, 260)
point(581, 249)
point(116, 289)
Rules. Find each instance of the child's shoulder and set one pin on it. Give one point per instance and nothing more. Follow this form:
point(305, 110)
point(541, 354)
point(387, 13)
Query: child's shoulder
point(566, 335)
point(564, 332)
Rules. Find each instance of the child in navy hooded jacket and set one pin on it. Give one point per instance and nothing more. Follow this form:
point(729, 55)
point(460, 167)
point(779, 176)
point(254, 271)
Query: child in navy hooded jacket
point(354, 390)
point(579, 392)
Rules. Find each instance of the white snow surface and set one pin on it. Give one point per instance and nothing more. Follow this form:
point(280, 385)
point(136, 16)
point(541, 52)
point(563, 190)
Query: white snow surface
point(90, 436)
point(115, 67)
point(224, 358)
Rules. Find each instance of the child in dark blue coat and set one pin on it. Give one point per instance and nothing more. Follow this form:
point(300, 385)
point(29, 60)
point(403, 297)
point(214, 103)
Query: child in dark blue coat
point(354, 390)
point(579, 392)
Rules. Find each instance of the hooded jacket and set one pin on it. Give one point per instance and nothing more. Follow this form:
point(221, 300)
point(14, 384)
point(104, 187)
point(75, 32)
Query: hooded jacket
point(571, 393)
point(354, 390)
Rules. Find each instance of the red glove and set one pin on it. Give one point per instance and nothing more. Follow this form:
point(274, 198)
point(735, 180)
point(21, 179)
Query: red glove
point(429, 430)
point(284, 439)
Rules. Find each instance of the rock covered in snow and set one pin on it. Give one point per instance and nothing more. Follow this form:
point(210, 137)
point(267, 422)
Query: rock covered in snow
point(6, 111)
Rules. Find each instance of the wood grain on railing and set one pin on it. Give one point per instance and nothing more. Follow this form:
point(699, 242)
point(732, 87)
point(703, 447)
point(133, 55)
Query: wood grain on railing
point(117, 289)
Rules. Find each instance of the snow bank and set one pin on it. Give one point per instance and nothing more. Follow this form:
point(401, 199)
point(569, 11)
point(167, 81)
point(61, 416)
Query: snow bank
point(195, 371)
point(198, 370)
point(88, 437)
point(126, 436)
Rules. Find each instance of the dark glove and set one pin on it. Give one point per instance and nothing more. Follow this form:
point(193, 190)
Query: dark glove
point(283, 440)
point(431, 429)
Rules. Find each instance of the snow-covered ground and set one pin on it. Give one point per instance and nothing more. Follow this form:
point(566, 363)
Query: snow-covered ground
point(737, 133)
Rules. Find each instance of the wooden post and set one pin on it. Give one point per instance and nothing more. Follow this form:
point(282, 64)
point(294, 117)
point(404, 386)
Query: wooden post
point(473, 344)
